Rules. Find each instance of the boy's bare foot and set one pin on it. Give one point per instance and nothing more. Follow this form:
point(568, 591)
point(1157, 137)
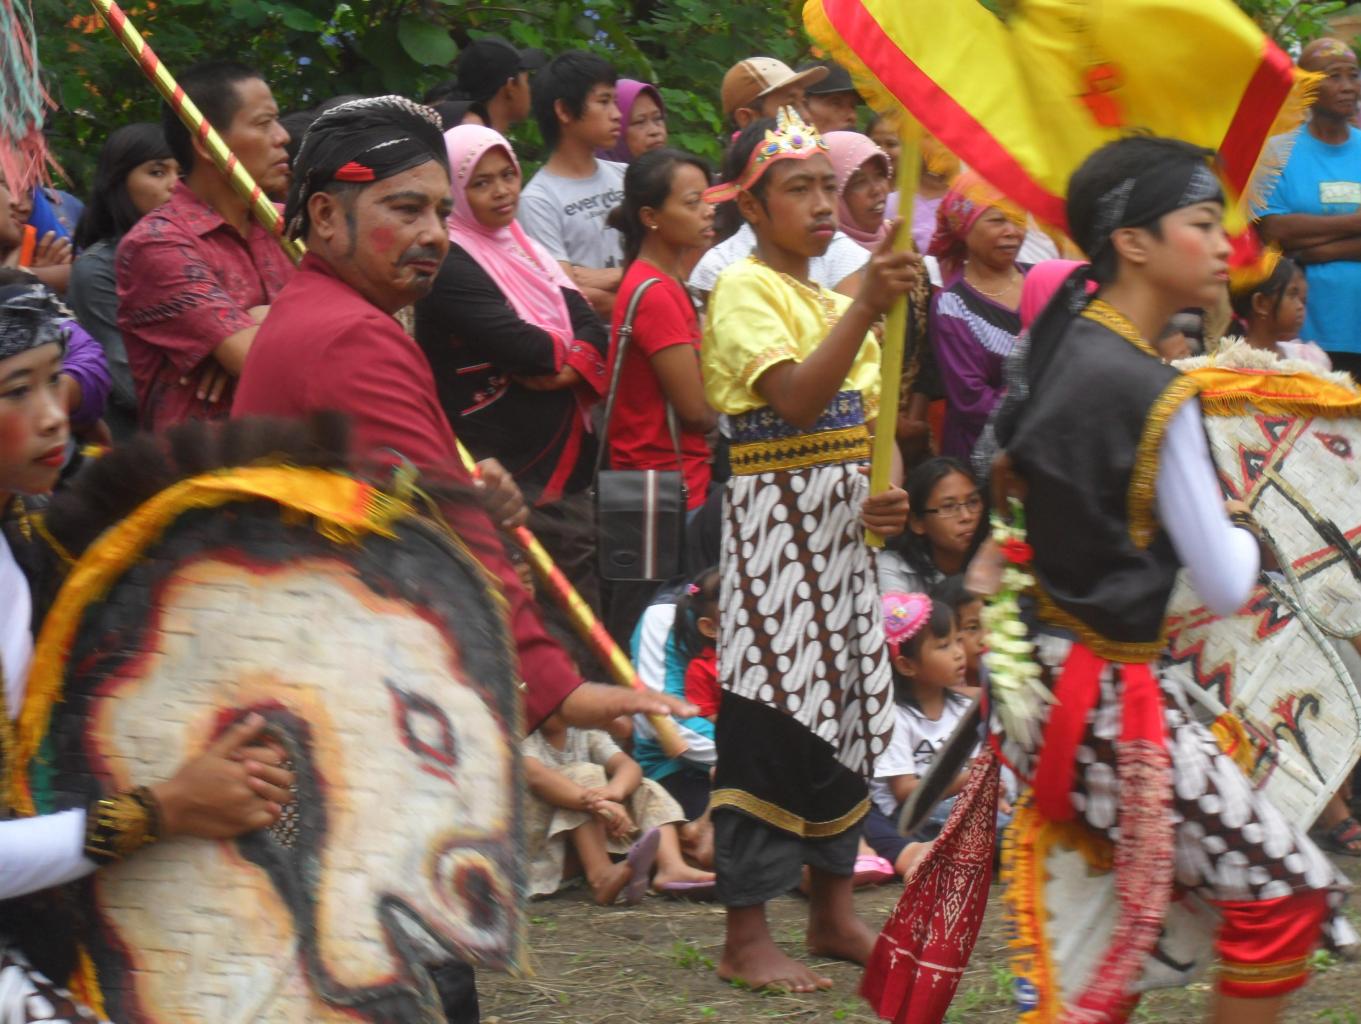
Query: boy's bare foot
point(841, 939)
point(912, 855)
point(607, 886)
point(761, 965)
point(684, 873)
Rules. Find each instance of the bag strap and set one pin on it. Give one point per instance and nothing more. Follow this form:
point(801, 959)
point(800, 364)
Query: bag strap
point(625, 334)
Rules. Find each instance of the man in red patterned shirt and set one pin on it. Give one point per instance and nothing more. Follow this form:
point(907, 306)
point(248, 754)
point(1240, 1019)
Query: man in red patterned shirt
point(196, 276)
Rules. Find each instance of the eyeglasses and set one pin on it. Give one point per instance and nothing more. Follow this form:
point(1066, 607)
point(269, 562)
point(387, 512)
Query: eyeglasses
point(957, 509)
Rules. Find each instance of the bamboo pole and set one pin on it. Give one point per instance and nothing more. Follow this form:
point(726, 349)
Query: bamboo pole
point(895, 328)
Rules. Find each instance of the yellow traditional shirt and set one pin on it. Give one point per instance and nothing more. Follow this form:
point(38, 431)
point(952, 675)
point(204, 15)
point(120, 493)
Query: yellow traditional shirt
point(759, 317)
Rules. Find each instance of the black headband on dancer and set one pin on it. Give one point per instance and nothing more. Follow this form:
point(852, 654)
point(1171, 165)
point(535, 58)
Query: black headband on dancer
point(30, 316)
point(362, 141)
point(1140, 200)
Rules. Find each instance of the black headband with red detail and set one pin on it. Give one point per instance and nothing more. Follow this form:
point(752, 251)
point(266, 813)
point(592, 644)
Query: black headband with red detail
point(362, 142)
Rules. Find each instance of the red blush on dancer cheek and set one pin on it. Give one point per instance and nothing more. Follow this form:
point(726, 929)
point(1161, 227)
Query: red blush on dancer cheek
point(13, 433)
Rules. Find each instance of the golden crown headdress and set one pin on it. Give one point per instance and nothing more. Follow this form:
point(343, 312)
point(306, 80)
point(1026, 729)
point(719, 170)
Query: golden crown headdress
point(792, 139)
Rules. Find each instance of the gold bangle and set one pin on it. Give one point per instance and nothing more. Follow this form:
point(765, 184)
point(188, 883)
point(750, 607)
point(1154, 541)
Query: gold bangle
point(118, 826)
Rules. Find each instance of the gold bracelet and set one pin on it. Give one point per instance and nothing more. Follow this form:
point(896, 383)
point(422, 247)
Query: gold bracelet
point(118, 826)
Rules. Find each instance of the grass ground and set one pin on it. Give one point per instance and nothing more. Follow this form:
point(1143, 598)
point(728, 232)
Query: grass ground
point(653, 964)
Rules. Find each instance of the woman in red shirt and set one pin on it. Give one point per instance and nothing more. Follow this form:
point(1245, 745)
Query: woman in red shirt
point(665, 224)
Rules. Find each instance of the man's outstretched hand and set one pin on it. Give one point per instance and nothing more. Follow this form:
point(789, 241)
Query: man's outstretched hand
point(594, 705)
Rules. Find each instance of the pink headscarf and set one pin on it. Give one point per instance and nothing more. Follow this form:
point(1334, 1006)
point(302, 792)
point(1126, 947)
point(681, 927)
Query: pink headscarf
point(1040, 286)
point(848, 152)
point(524, 270)
point(626, 93)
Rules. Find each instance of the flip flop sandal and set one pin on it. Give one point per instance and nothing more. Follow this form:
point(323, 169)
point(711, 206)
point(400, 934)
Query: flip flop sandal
point(872, 870)
point(689, 890)
point(1343, 838)
point(641, 856)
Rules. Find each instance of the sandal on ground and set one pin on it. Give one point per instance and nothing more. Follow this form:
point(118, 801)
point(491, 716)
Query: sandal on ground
point(1343, 838)
point(871, 870)
point(688, 890)
point(641, 856)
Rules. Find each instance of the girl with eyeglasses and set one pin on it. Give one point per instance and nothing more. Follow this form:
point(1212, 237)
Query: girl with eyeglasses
point(945, 525)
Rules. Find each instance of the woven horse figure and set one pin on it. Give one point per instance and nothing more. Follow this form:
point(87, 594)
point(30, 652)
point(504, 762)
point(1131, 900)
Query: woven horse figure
point(376, 650)
point(1287, 442)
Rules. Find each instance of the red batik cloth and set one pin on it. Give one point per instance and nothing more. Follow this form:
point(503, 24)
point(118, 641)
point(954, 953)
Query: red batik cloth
point(926, 943)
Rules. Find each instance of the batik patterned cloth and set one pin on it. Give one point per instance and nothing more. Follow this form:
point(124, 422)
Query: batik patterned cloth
point(26, 996)
point(801, 651)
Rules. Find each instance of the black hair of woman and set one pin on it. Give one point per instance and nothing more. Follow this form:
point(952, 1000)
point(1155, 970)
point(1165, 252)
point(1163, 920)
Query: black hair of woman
point(953, 592)
point(110, 212)
point(1273, 288)
point(915, 547)
point(647, 184)
point(698, 600)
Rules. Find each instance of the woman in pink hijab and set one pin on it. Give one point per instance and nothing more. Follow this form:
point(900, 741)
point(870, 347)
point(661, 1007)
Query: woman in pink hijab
point(643, 117)
point(517, 352)
point(862, 183)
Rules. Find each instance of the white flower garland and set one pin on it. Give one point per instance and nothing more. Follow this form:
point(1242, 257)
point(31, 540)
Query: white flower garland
point(1014, 679)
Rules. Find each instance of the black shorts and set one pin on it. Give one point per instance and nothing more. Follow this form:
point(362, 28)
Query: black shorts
point(756, 862)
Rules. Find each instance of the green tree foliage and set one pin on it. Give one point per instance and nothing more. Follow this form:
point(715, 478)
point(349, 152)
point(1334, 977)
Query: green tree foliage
point(313, 49)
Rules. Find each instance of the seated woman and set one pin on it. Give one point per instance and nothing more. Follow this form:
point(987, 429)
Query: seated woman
point(517, 352)
point(136, 174)
point(975, 318)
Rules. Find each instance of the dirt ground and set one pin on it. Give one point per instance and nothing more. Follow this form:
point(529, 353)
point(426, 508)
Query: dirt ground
point(653, 964)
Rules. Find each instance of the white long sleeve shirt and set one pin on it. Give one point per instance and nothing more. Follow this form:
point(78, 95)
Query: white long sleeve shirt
point(35, 853)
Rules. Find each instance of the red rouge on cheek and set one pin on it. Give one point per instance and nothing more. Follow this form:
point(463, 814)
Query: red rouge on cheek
point(380, 239)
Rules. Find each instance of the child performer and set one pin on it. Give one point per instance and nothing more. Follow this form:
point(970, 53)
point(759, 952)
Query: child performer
point(1120, 494)
point(807, 702)
point(231, 789)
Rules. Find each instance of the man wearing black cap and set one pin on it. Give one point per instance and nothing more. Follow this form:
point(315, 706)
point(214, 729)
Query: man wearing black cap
point(832, 102)
point(494, 75)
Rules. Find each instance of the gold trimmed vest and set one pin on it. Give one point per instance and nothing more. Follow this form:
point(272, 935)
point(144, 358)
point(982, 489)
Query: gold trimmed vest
point(1087, 444)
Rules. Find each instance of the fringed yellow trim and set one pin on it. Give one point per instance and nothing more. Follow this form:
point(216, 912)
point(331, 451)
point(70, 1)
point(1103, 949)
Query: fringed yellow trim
point(1234, 741)
point(788, 821)
point(85, 986)
point(1263, 974)
point(1124, 652)
point(1225, 392)
point(39, 524)
point(1144, 478)
point(1245, 278)
point(1025, 850)
point(344, 508)
point(1280, 141)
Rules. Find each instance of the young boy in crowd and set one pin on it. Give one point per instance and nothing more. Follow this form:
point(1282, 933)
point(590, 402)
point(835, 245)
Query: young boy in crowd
point(806, 703)
point(564, 206)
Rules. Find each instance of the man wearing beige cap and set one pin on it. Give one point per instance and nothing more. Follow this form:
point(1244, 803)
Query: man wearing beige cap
point(759, 86)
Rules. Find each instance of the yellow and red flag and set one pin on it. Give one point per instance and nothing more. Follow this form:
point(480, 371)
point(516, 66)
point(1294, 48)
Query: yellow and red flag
point(1025, 99)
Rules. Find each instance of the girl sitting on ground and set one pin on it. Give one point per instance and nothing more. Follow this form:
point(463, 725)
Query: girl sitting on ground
point(968, 609)
point(586, 790)
point(928, 665)
point(946, 523)
point(696, 638)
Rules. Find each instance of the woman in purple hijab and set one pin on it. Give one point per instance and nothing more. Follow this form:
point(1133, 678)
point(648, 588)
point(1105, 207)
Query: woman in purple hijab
point(644, 120)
